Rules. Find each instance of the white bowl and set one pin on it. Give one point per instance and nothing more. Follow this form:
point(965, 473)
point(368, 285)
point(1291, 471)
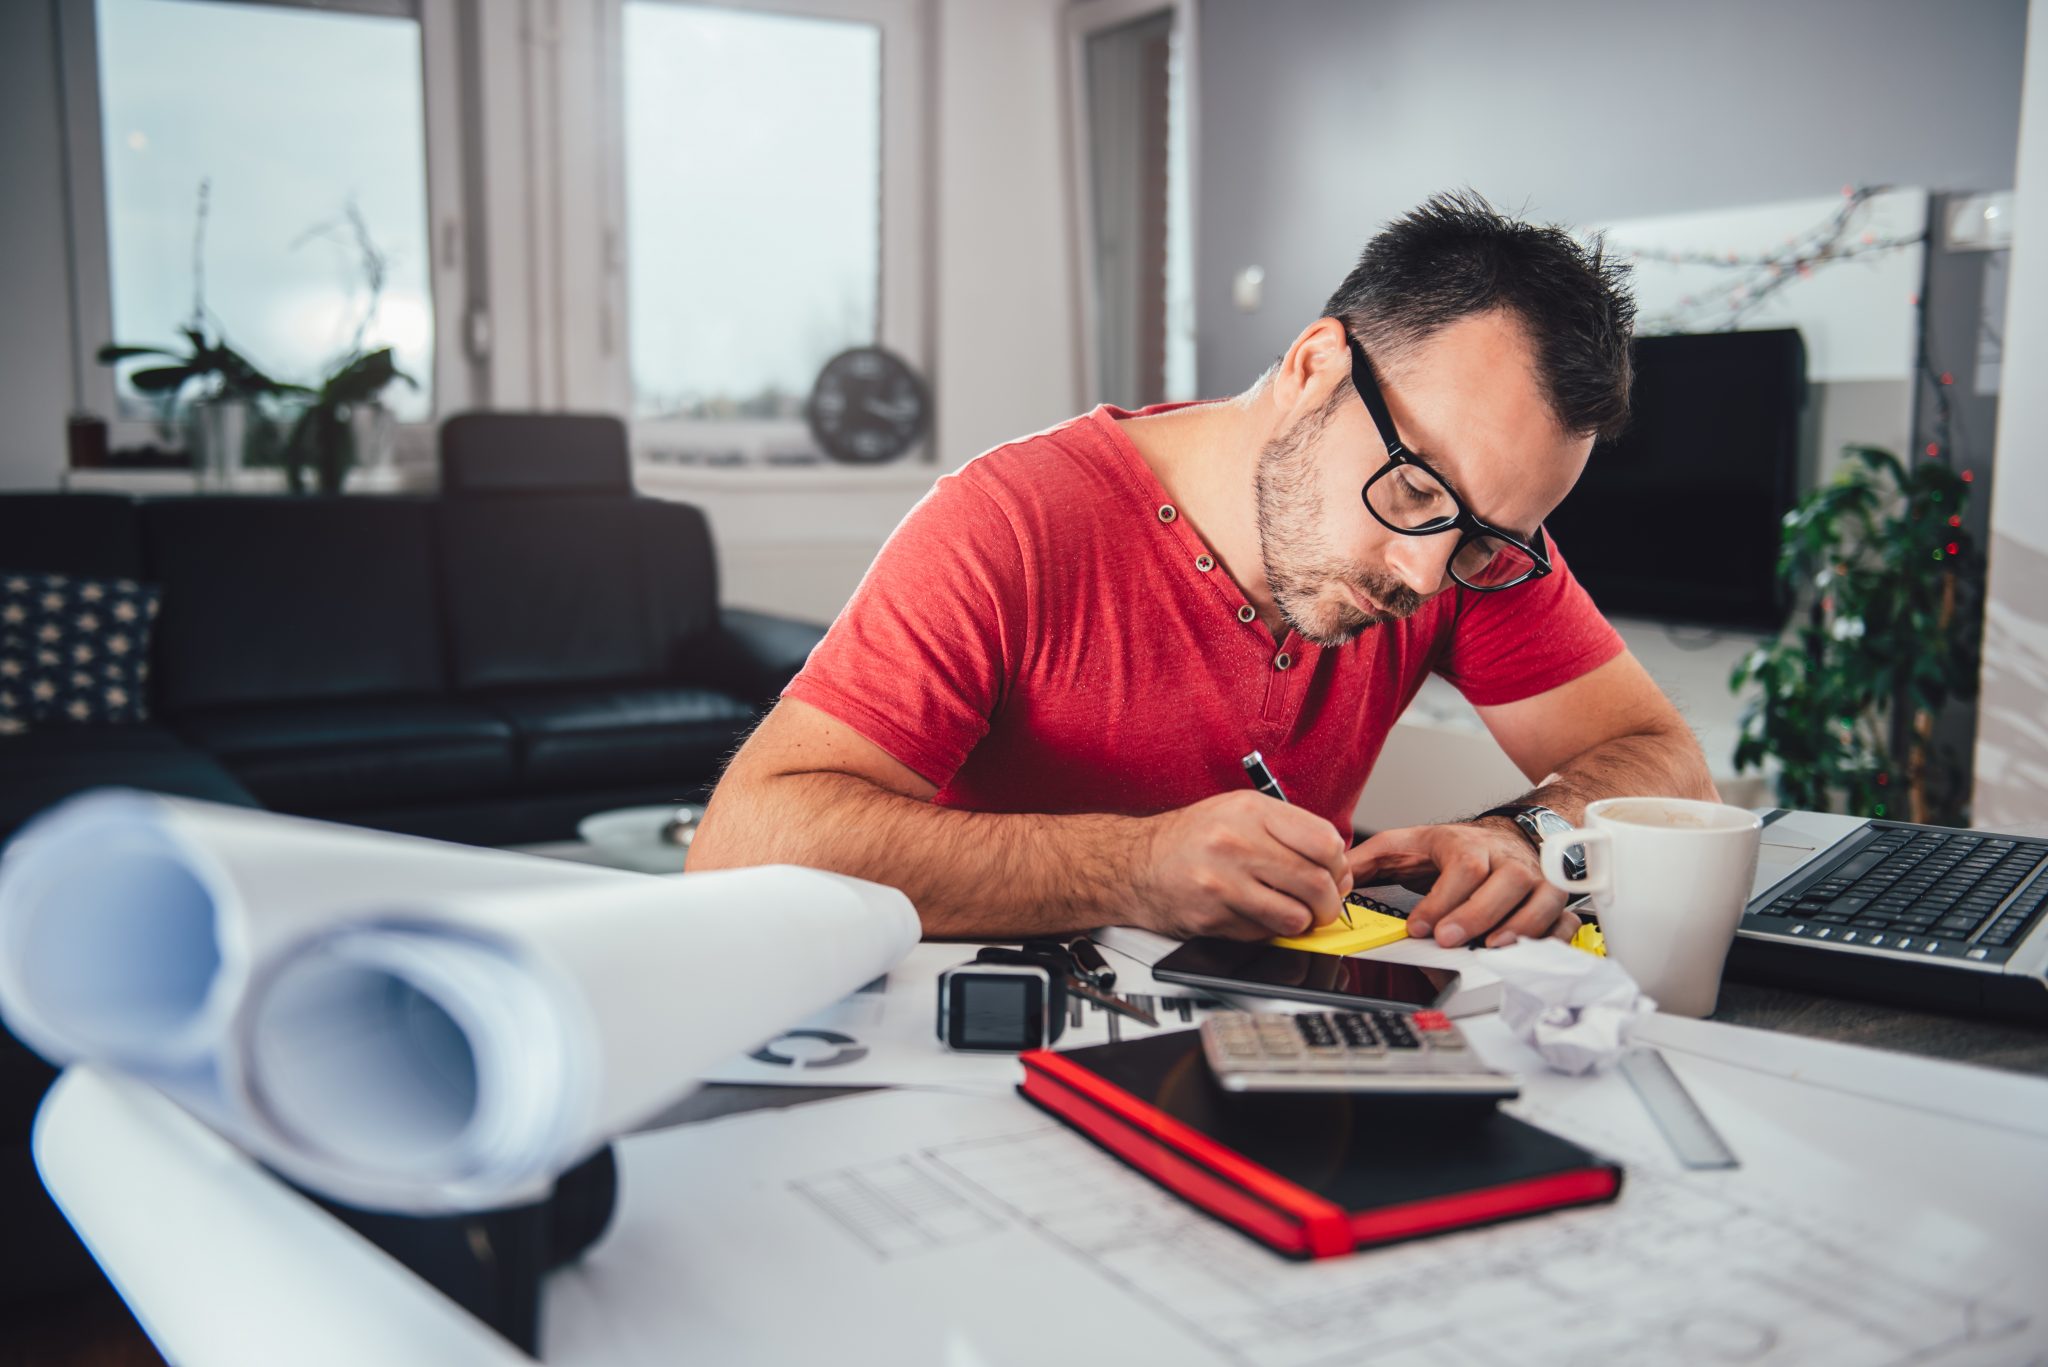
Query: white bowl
point(631, 837)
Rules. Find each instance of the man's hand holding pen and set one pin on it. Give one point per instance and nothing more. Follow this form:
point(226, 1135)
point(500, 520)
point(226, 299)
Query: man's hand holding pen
point(1243, 866)
point(1248, 866)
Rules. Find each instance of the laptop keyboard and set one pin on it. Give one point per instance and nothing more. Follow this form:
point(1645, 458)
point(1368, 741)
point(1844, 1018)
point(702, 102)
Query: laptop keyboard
point(1946, 893)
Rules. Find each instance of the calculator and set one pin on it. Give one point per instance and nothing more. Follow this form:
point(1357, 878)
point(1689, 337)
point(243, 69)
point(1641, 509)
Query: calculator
point(1405, 1053)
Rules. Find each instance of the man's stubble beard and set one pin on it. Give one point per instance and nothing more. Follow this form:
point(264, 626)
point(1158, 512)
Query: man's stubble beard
point(1300, 562)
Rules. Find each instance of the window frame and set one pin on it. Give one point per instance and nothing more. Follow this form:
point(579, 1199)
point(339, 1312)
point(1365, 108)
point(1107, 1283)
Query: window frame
point(87, 228)
point(903, 298)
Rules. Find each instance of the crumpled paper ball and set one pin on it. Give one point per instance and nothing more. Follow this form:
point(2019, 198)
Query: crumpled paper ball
point(1575, 1010)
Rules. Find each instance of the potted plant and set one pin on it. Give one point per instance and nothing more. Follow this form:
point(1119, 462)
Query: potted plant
point(342, 419)
point(1887, 597)
point(228, 416)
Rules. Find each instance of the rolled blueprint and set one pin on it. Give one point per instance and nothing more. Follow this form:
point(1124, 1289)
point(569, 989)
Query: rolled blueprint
point(130, 923)
point(401, 1024)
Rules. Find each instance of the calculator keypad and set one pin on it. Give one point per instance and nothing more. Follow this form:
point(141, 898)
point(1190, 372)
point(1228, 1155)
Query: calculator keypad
point(1354, 1051)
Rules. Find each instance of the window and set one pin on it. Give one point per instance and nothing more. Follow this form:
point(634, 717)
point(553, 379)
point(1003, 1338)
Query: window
point(753, 204)
point(771, 173)
point(261, 167)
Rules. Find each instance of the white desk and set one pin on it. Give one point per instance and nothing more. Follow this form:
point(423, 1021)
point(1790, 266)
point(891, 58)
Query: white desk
point(222, 1265)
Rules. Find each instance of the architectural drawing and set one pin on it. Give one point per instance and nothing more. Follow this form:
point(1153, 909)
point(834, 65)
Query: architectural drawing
point(1682, 1270)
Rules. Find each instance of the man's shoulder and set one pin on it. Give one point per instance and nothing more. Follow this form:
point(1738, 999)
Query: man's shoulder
point(1049, 465)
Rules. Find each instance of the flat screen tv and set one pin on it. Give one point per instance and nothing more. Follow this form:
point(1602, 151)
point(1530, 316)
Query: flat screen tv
point(1678, 518)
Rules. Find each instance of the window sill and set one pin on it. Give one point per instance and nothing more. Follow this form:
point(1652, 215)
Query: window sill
point(393, 479)
point(654, 477)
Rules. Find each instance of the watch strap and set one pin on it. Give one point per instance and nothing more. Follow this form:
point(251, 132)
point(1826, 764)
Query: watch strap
point(1534, 821)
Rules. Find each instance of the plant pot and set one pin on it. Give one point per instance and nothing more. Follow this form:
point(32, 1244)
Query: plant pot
point(328, 441)
point(217, 431)
point(373, 434)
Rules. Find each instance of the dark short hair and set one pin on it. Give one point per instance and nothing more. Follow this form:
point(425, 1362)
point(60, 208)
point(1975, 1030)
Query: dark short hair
point(1457, 255)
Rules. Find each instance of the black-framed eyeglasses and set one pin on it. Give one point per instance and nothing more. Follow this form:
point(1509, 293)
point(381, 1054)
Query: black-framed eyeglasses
point(1408, 497)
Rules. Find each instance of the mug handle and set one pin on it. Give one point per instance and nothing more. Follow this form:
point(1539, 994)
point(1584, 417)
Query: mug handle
point(1554, 846)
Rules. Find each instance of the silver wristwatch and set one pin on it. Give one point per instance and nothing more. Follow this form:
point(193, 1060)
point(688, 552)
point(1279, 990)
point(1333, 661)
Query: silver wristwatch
point(1536, 821)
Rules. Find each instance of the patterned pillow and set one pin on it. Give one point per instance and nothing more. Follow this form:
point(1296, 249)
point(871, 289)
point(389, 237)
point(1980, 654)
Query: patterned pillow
point(73, 651)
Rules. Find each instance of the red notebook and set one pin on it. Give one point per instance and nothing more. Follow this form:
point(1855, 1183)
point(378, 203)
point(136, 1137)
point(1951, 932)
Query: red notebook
point(1310, 1175)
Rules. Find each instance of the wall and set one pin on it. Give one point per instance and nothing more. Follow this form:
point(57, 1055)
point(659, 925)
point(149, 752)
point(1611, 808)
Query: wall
point(35, 327)
point(1005, 359)
point(1318, 128)
point(2012, 737)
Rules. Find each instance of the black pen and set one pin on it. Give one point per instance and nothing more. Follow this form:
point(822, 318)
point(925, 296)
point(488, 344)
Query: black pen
point(1263, 780)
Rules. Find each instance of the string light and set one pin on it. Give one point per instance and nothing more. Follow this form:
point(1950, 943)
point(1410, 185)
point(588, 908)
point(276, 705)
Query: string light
point(1768, 272)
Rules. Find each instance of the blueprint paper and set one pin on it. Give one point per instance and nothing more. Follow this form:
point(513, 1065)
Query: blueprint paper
point(131, 923)
point(936, 1222)
point(370, 1019)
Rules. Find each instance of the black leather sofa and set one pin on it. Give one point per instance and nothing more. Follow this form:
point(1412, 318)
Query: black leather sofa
point(488, 665)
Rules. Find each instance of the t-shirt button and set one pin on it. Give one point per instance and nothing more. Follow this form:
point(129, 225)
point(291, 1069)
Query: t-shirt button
point(1246, 613)
point(1166, 512)
point(1204, 563)
point(1282, 660)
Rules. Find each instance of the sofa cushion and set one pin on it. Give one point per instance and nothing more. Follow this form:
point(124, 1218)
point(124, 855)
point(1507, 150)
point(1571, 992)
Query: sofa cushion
point(500, 453)
point(274, 599)
point(573, 590)
point(44, 767)
point(74, 650)
point(677, 560)
point(94, 534)
point(321, 756)
point(606, 737)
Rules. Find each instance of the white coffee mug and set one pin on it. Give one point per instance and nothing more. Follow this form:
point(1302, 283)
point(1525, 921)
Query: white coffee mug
point(1668, 878)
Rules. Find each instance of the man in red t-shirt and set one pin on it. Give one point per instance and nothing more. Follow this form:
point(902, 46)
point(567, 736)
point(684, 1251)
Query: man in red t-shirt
point(1032, 715)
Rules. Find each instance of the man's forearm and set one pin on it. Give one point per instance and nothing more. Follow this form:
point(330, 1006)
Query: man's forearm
point(968, 873)
point(1655, 764)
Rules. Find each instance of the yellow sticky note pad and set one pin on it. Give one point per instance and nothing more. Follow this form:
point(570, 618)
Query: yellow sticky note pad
point(1368, 930)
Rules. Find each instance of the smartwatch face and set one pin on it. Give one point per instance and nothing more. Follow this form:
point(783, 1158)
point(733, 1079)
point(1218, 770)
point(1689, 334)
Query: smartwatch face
point(995, 1010)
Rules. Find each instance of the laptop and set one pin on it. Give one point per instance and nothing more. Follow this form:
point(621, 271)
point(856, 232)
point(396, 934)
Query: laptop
point(1893, 912)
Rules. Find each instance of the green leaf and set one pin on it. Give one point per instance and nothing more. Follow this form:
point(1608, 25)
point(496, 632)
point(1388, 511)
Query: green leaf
point(162, 379)
point(112, 353)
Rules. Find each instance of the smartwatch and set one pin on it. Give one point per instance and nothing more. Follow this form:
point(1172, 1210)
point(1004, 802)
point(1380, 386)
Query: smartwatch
point(1005, 1002)
point(1536, 821)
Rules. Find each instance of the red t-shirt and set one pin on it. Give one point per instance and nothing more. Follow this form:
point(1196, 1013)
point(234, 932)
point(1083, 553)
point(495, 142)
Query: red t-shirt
point(1037, 637)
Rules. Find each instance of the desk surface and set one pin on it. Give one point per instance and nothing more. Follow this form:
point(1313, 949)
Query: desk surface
point(1956, 1039)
